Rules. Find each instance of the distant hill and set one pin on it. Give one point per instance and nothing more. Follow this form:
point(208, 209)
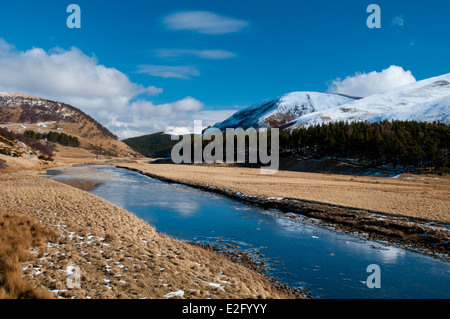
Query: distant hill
point(20, 113)
point(158, 145)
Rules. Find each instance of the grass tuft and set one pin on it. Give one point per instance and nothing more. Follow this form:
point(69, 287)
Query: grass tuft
point(18, 234)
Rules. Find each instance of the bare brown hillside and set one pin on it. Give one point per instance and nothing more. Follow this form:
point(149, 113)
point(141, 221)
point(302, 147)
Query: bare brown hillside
point(21, 112)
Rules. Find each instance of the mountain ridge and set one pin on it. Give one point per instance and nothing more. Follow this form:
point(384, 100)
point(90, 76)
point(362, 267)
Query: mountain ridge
point(427, 100)
point(283, 109)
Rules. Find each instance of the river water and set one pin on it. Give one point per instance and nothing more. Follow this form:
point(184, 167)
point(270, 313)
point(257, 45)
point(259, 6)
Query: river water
point(299, 252)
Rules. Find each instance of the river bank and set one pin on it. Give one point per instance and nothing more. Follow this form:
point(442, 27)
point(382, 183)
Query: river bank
point(425, 227)
point(119, 255)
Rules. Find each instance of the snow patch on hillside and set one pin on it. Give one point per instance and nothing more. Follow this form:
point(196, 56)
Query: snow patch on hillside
point(279, 111)
point(423, 101)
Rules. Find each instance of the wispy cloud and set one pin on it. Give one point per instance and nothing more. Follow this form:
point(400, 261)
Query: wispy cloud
point(204, 54)
point(203, 22)
point(398, 21)
point(167, 71)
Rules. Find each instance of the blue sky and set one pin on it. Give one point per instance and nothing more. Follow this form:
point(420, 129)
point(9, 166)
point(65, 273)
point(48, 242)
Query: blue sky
point(207, 59)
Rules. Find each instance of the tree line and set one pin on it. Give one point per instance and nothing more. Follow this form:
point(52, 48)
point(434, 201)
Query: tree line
point(55, 137)
point(45, 150)
point(401, 145)
point(406, 145)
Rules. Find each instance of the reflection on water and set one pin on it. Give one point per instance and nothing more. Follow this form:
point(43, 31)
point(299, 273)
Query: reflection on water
point(54, 172)
point(81, 184)
point(187, 209)
point(300, 253)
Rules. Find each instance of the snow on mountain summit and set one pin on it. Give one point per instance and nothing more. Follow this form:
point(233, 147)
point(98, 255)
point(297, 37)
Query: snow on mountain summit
point(423, 101)
point(13, 95)
point(279, 111)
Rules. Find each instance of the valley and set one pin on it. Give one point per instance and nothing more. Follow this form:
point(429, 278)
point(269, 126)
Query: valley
point(329, 178)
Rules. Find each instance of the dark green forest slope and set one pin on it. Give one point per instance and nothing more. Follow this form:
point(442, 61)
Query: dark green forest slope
point(402, 145)
point(153, 145)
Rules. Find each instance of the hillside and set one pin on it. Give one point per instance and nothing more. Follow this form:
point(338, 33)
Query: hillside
point(397, 145)
point(153, 145)
point(279, 111)
point(423, 101)
point(19, 151)
point(21, 112)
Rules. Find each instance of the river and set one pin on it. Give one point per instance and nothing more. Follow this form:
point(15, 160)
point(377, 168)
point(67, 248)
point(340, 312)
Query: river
point(299, 252)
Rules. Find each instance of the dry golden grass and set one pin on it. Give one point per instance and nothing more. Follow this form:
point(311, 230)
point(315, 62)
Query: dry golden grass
point(119, 255)
point(18, 234)
point(412, 195)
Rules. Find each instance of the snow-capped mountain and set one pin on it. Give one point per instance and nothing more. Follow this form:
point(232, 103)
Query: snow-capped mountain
point(423, 101)
point(279, 111)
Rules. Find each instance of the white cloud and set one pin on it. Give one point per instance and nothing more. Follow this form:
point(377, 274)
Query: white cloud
point(204, 54)
point(208, 118)
point(365, 84)
point(5, 47)
point(64, 73)
point(176, 117)
point(104, 93)
point(167, 71)
point(203, 22)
